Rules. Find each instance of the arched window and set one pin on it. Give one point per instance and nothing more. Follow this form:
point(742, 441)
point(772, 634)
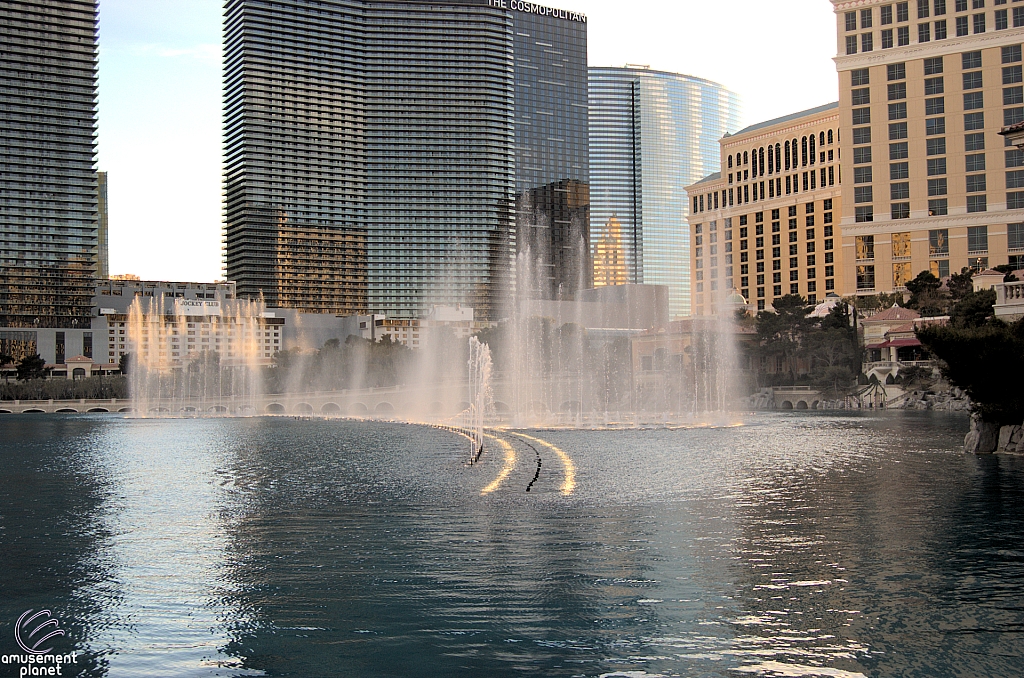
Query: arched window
point(812, 149)
point(778, 158)
point(746, 158)
point(830, 137)
point(803, 152)
point(821, 138)
point(753, 157)
point(787, 155)
point(771, 159)
point(730, 161)
point(760, 161)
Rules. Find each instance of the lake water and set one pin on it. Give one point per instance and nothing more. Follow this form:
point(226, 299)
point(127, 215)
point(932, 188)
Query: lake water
point(793, 545)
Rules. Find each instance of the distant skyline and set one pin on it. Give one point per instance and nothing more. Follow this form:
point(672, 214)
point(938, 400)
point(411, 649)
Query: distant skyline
point(160, 100)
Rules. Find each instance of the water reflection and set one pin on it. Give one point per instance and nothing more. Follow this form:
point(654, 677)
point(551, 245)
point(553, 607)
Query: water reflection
point(794, 545)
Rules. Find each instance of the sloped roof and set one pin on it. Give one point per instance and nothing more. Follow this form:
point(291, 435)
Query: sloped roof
point(894, 313)
point(711, 177)
point(789, 118)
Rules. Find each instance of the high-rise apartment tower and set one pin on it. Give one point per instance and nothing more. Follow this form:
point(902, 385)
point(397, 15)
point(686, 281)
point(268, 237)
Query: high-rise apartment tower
point(48, 214)
point(380, 155)
point(651, 134)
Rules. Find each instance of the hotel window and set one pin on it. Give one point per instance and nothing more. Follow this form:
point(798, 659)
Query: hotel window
point(1018, 17)
point(940, 30)
point(977, 263)
point(1015, 179)
point(975, 163)
point(970, 60)
point(902, 11)
point(972, 80)
point(974, 142)
point(938, 242)
point(897, 130)
point(1011, 54)
point(897, 90)
point(977, 203)
point(938, 207)
point(851, 21)
point(940, 268)
point(861, 116)
point(1002, 20)
point(961, 5)
point(974, 121)
point(900, 191)
point(922, 9)
point(865, 18)
point(899, 170)
point(1011, 75)
point(924, 32)
point(1014, 158)
point(979, 23)
point(898, 111)
point(1015, 236)
point(865, 247)
point(863, 154)
point(933, 86)
point(901, 274)
point(961, 28)
point(936, 166)
point(937, 186)
point(903, 35)
point(1012, 116)
point(897, 151)
point(865, 277)
point(896, 72)
point(867, 43)
point(900, 210)
point(900, 245)
point(863, 214)
point(973, 100)
point(861, 135)
point(933, 126)
point(936, 146)
point(978, 4)
point(940, 7)
point(1013, 95)
point(887, 42)
point(977, 239)
point(936, 106)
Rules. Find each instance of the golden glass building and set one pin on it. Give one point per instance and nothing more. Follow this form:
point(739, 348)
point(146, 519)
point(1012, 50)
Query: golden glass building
point(765, 225)
point(924, 88)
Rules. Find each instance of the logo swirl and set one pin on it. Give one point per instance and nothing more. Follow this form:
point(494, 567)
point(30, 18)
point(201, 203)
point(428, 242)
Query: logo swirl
point(42, 631)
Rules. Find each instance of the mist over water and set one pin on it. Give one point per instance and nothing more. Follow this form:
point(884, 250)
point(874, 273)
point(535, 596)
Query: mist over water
point(797, 545)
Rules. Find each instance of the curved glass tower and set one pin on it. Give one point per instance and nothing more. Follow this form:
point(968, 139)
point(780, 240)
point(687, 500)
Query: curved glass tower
point(651, 134)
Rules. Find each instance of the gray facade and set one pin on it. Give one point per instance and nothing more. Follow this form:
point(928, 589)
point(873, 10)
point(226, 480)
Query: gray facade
point(48, 210)
point(651, 134)
point(371, 148)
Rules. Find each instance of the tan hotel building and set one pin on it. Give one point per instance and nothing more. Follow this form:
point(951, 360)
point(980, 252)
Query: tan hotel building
point(924, 88)
point(766, 225)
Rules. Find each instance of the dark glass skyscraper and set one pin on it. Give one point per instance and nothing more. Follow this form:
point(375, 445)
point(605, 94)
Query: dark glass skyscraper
point(371, 147)
point(48, 210)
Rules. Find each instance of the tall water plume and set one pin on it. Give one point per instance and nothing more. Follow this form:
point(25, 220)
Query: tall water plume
point(197, 357)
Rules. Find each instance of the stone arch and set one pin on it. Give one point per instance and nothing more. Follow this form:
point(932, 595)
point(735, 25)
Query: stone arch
point(275, 408)
point(303, 408)
point(814, 405)
point(159, 409)
point(126, 409)
point(801, 405)
point(571, 407)
point(502, 408)
point(358, 409)
point(67, 410)
point(462, 406)
point(3, 411)
point(785, 405)
point(33, 410)
point(330, 408)
point(384, 407)
point(97, 409)
point(220, 409)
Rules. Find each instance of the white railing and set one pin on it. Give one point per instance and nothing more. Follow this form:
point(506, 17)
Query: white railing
point(1009, 300)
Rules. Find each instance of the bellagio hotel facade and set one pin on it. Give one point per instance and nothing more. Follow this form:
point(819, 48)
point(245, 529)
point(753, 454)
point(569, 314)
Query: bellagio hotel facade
point(766, 225)
point(929, 184)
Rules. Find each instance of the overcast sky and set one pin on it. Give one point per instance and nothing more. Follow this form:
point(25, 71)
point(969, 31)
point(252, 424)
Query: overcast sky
point(160, 100)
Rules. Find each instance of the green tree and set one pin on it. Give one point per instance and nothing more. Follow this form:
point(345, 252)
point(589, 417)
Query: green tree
point(925, 295)
point(974, 309)
point(961, 284)
point(124, 363)
point(32, 367)
point(986, 361)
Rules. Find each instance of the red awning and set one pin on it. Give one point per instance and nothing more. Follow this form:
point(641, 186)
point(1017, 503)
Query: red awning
point(882, 345)
point(901, 343)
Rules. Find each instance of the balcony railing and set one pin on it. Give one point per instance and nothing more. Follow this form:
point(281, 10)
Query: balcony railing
point(1010, 300)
